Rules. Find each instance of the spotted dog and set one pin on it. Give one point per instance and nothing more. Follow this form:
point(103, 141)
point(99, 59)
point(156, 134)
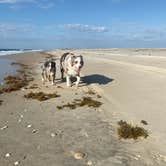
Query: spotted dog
point(71, 65)
point(49, 71)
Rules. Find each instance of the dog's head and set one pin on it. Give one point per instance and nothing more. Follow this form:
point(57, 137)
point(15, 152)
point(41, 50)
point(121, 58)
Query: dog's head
point(50, 65)
point(77, 62)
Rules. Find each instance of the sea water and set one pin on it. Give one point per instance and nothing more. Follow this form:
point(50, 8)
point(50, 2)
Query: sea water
point(6, 69)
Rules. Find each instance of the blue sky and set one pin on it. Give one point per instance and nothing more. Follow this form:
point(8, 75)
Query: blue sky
point(47, 24)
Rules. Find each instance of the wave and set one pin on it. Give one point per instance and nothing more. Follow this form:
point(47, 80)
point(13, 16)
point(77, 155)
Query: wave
point(15, 51)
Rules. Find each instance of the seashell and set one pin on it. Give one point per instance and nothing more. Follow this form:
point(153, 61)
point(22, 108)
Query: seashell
point(16, 163)
point(29, 126)
point(53, 134)
point(79, 155)
point(4, 127)
point(89, 163)
point(7, 155)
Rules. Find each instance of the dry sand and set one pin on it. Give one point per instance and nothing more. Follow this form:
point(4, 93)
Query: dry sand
point(131, 83)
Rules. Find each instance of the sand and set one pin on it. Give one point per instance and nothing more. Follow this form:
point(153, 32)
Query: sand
point(131, 85)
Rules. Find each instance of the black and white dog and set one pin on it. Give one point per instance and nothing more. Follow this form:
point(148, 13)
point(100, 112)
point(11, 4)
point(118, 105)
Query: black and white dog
point(71, 64)
point(49, 71)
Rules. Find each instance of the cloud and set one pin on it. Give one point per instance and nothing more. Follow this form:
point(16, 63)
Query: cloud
point(85, 28)
point(16, 4)
point(16, 1)
point(8, 30)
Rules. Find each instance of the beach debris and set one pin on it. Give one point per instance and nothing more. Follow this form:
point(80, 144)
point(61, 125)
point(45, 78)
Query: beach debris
point(34, 131)
point(13, 83)
point(1, 101)
point(89, 163)
point(79, 155)
point(144, 122)
point(41, 96)
point(34, 86)
point(59, 87)
point(127, 131)
point(163, 158)
point(17, 82)
point(25, 110)
point(29, 126)
point(7, 155)
point(17, 163)
point(53, 135)
point(23, 89)
point(86, 101)
point(19, 120)
point(4, 127)
point(91, 92)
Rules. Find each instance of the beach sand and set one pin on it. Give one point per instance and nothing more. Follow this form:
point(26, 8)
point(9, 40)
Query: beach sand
point(131, 83)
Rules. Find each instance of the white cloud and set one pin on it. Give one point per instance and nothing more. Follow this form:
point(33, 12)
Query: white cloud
point(16, 4)
point(16, 1)
point(85, 28)
point(7, 28)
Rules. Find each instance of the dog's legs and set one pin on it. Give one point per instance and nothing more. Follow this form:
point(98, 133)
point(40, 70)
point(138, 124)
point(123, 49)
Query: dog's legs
point(53, 78)
point(43, 76)
point(78, 81)
point(68, 81)
point(62, 73)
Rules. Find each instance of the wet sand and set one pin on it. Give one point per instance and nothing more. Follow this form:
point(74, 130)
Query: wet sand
point(131, 86)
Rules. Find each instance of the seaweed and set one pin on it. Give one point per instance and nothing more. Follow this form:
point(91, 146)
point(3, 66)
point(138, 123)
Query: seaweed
point(86, 101)
point(34, 86)
point(41, 96)
point(91, 92)
point(14, 83)
point(59, 87)
point(127, 131)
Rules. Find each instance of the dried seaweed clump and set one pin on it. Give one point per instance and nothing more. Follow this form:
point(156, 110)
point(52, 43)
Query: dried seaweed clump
point(86, 101)
point(34, 86)
point(91, 92)
point(41, 96)
point(127, 131)
point(13, 83)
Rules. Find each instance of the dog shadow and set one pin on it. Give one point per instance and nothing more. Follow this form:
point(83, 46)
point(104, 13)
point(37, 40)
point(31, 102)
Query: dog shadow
point(96, 79)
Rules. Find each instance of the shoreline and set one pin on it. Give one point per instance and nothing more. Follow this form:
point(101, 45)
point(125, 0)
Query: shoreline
point(53, 135)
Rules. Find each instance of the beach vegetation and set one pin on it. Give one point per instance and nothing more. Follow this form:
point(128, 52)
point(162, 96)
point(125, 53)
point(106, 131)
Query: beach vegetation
point(127, 131)
point(85, 101)
point(41, 96)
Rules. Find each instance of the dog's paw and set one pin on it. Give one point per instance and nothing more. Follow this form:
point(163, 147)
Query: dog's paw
point(68, 85)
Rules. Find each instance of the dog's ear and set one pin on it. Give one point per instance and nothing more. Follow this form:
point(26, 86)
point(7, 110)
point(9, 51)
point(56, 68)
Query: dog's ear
point(72, 60)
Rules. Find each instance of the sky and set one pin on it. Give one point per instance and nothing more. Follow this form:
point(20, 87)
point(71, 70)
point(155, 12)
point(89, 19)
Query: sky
point(49, 24)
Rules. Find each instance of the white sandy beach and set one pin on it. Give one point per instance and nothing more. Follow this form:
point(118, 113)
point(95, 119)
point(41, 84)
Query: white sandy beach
point(132, 85)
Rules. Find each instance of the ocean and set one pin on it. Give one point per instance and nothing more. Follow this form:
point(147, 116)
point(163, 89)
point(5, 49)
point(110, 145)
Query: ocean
point(5, 64)
point(14, 51)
